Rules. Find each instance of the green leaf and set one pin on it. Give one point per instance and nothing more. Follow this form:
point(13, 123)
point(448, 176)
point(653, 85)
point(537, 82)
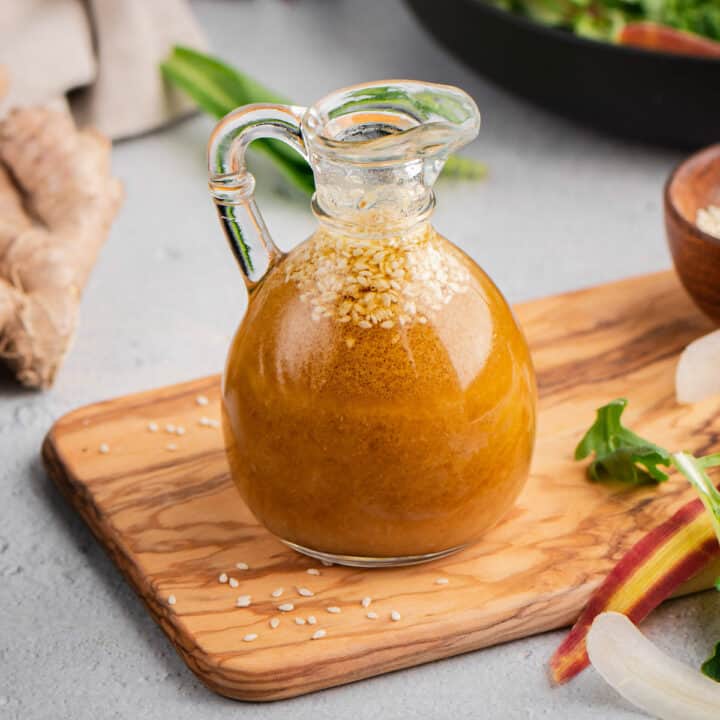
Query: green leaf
point(464, 168)
point(711, 667)
point(218, 89)
point(620, 454)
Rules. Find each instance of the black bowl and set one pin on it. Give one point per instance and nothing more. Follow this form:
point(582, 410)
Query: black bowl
point(656, 97)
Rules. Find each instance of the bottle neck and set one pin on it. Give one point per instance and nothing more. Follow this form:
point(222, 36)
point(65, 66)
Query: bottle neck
point(374, 200)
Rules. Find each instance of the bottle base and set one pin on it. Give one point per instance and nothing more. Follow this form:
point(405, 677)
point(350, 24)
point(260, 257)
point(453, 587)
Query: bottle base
point(371, 562)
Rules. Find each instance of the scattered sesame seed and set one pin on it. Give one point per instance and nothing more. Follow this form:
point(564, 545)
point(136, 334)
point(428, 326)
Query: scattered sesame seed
point(286, 607)
point(179, 430)
point(242, 566)
point(372, 615)
point(318, 634)
point(442, 581)
point(171, 447)
point(304, 592)
point(250, 637)
point(222, 578)
point(152, 427)
point(395, 616)
point(365, 602)
point(277, 592)
point(326, 563)
point(311, 619)
point(202, 400)
point(312, 571)
point(243, 601)
point(233, 583)
point(274, 622)
point(334, 609)
point(203, 421)
point(299, 621)
point(104, 449)
point(171, 599)
point(170, 428)
point(213, 423)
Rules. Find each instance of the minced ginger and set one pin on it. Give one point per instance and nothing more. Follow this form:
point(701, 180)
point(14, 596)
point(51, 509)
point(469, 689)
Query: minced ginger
point(57, 201)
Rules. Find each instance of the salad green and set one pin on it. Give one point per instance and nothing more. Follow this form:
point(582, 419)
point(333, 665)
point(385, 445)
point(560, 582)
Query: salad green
point(620, 454)
point(604, 19)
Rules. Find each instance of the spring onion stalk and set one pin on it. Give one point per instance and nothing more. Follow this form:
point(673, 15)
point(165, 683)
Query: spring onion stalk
point(218, 88)
point(648, 678)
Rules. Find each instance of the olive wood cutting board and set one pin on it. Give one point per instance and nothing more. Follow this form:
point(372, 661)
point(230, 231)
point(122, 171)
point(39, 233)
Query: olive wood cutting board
point(172, 521)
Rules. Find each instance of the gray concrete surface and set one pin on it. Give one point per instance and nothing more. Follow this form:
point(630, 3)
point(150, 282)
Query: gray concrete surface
point(563, 208)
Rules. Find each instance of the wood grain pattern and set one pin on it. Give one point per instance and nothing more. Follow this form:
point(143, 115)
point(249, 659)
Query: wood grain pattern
point(172, 521)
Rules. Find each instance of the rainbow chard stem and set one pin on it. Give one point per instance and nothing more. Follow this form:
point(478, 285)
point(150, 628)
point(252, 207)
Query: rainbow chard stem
point(647, 574)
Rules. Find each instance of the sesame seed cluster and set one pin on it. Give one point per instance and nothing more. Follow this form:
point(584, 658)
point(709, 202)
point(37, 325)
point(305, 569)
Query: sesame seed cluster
point(372, 281)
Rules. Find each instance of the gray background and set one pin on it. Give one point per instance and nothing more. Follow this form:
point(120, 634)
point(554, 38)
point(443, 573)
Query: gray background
point(563, 208)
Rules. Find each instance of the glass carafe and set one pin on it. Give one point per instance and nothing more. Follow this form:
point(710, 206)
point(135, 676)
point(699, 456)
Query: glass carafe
point(378, 397)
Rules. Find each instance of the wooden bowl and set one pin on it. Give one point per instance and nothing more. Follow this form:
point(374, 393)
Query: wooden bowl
point(695, 184)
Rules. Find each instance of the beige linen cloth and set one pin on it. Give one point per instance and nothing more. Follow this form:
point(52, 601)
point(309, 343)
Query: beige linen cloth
point(106, 52)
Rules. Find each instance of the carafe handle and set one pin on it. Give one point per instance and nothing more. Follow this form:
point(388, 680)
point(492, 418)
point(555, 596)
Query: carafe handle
point(233, 187)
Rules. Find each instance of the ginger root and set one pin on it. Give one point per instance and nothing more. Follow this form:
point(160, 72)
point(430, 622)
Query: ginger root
point(57, 201)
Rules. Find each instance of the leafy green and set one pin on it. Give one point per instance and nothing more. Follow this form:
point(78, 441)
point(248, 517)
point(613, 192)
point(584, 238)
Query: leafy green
point(603, 19)
point(218, 88)
point(711, 667)
point(620, 454)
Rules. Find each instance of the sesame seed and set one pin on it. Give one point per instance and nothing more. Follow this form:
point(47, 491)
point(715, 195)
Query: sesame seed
point(204, 421)
point(213, 423)
point(250, 637)
point(243, 601)
point(395, 616)
point(171, 447)
point(349, 342)
point(274, 622)
point(152, 427)
point(311, 619)
point(326, 563)
point(242, 566)
point(171, 599)
point(104, 449)
point(286, 607)
point(202, 400)
point(233, 583)
point(222, 578)
point(299, 621)
point(365, 602)
point(277, 592)
point(304, 592)
point(442, 581)
point(334, 609)
point(179, 430)
point(312, 571)
point(318, 634)
point(170, 428)
point(372, 615)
